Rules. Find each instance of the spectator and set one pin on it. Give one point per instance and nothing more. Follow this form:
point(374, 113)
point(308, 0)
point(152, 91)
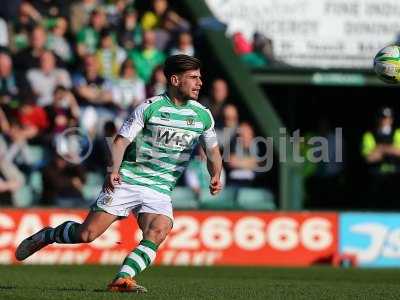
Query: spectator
point(128, 91)
point(20, 29)
point(226, 133)
point(90, 86)
point(29, 58)
point(257, 55)
point(115, 12)
point(153, 19)
point(45, 79)
point(184, 45)
point(80, 13)
point(381, 147)
point(63, 183)
point(263, 46)
point(94, 96)
point(88, 37)
point(30, 123)
point(28, 17)
point(381, 151)
point(8, 84)
point(11, 178)
point(63, 112)
point(218, 98)
point(164, 22)
point(130, 33)
point(163, 17)
point(147, 58)
point(110, 56)
point(57, 41)
point(242, 163)
point(31, 117)
point(158, 82)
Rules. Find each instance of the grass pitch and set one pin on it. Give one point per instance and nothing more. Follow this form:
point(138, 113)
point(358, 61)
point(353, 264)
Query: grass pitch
point(88, 282)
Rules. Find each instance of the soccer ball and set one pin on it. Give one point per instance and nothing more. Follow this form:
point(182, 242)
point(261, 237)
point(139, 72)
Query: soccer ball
point(387, 64)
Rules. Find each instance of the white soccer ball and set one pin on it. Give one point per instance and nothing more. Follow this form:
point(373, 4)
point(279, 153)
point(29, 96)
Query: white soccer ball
point(387, 64)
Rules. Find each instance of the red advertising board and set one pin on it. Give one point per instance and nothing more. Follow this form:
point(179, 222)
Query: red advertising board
point(198, 238)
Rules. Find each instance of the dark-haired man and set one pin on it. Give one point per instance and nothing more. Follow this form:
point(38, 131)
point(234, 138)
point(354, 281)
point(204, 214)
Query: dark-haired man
point(144, 171)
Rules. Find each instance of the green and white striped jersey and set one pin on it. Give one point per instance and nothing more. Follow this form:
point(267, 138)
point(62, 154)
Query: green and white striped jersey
point(163, 136)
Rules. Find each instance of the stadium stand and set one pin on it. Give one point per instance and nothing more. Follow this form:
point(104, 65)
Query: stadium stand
point(83, 66)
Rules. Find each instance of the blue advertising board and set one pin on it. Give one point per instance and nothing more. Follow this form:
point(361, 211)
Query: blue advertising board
point(374, 238)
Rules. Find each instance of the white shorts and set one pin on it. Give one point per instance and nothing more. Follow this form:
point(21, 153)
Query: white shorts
point(137, 199)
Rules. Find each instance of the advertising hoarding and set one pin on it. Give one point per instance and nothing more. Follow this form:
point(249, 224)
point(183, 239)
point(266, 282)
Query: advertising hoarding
point(198, 238)
point(317, 34)
point(372, 238)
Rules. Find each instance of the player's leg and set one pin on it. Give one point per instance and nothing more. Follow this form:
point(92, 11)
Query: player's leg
point(107, 208)
point(155, 228)
point(95, 224)
point(69, 232)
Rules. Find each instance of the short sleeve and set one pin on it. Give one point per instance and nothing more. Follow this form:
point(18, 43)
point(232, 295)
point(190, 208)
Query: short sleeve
point(208, 138)
point(134, 123)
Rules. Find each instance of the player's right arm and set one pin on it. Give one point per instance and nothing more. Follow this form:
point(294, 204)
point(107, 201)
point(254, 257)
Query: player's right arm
point(129, 130)
point(118, 148)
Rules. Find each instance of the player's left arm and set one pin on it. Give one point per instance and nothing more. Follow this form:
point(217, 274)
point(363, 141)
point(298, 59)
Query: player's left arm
point(214, 166)
point(209, 142)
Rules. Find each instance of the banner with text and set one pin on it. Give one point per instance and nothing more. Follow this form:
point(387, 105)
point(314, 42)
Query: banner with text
point(198, 238)
point(321, 34)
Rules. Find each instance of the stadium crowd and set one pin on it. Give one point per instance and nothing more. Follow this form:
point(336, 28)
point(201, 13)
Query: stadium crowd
point(85, 65)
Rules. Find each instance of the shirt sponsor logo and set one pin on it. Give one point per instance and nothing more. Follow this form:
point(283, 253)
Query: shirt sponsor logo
point(173, 138)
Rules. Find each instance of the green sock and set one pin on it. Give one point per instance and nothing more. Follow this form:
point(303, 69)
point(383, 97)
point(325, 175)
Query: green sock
point(66, 233)
point(139, 259)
